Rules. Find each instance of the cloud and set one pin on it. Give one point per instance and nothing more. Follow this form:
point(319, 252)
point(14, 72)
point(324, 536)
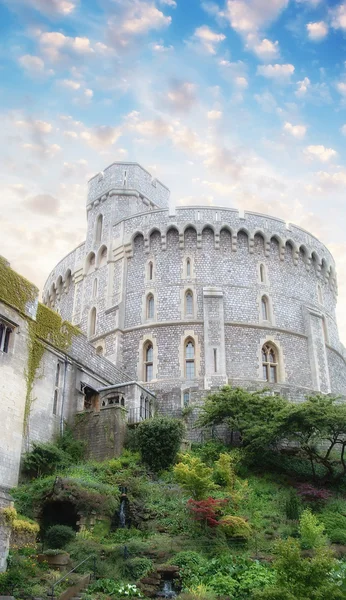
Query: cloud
point(277, 72)
point(250, 16)
point(56, 46)
point(161, 48)
point(36, 126)
point(320, 152)
point(265, 49)
point(48, 7)
point(101, 137)
point(297, 131)
point(42, 204)
point(338, 16)
point(70, 84)
point(33, 65)
point(341, 87)
point(156, 128)
point(317, 31)
point(343, 130)
point(331, 181)
point(181, 95)
point(266, 101)
point(206, 39)
point(171, 3)
point(214, 115)
point(303, 87)
point(241, 82)
point(133, 19)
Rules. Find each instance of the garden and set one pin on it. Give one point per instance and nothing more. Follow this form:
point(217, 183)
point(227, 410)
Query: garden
point(265, 520)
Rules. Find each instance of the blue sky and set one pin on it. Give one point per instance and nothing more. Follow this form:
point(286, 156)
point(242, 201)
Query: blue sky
point(235, 102)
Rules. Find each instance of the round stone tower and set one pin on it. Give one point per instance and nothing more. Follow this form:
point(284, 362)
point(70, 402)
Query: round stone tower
point(190, 299)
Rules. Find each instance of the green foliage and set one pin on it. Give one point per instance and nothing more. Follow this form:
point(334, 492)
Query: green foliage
point(224, 472)
point(159, 440)
point(235, 527)
point(209, 451)
point(255, 577)
point(335, 525)
point(15, 290)
point(301, 578)
point(266, 421)
point(223, 585)
point(194, 476)
point(192, 567)
point(74, 449)
point(311, 531)
point(112, 588)
point(292, 506)
point(138, 567)
point(44, 459)
point(58, 536)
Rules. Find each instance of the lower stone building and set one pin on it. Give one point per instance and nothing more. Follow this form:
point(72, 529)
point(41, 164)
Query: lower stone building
point(49, 372)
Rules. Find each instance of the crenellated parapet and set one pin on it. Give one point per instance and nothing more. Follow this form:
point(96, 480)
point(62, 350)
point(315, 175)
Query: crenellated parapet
point(127, 178)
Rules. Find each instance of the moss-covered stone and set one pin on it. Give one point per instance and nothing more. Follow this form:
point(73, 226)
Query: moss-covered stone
point(15, 290)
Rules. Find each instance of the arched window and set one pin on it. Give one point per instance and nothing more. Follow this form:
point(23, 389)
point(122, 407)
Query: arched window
point(188, 267)
point(265, 308)
point(189, 359)
point(148, 362)
point(262, 274)
point(150, 307)
point(150, 271)
point(270, 363)
point(189, 303)
point(103, 256)
point(99, 227)
point(92, 322)
point(95, 285)
point(91, 263)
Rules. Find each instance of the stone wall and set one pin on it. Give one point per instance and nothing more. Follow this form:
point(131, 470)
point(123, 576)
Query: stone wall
point(103, 431)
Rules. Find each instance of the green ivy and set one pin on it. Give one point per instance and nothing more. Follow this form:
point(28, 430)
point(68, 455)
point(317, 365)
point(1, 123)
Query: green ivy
point(15, 290)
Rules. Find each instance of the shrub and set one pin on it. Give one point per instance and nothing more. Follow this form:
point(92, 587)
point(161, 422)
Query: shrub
point(224, 473)
point(223, 585)
point(301, 578)
point(206, 512)
point(210, 451)
point(59, 536)
point(235, 526)
point(310, 493)
point(292, 506)
point(335, 525)
point(311, 531)
point(43, 459)
point(192, 567)
point(255, 577)
point(194, 476)
point(159, 440)
point(138, 567)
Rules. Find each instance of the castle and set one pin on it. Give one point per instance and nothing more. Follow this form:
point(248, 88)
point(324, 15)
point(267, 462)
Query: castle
point(189, 299)
point(156, 308)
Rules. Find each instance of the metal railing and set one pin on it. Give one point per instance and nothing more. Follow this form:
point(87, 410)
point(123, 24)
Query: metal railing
point(51, 592)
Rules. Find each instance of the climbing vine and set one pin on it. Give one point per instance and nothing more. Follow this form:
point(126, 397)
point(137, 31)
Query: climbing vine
point(48, 327)
point(15, 290)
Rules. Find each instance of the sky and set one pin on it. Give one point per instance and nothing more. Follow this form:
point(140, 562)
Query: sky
point(239, 103)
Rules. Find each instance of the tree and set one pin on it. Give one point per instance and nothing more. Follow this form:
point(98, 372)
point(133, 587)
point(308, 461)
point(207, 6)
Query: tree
point(316, 427)
point(300, 578)
point(194, 476)
point(158, 441)
point(258, 418)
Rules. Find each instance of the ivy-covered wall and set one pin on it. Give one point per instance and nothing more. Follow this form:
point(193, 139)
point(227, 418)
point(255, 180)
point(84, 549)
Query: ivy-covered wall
point(16, 291)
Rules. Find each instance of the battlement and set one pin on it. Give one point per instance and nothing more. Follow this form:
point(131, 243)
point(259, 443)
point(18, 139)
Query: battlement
point(123, 177)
